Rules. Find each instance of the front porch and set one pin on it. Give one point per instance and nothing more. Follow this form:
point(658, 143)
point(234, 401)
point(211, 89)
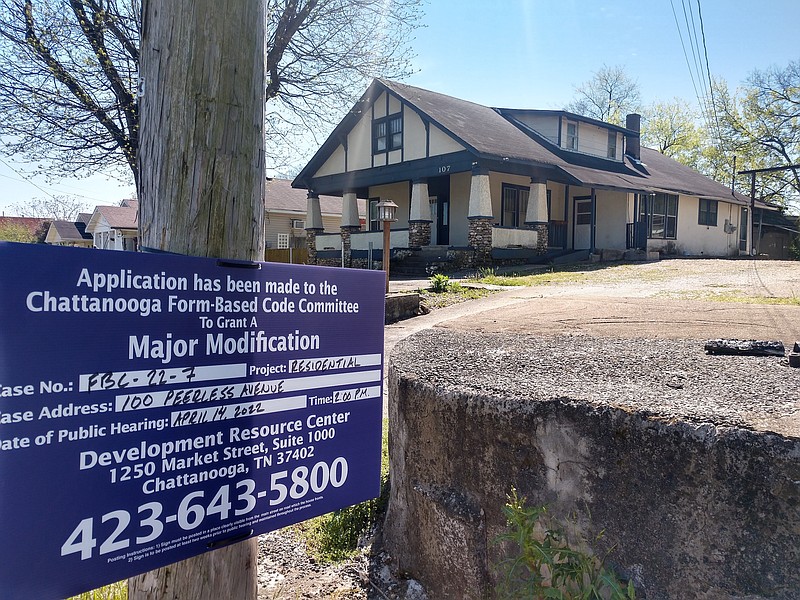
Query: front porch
point(474, 219)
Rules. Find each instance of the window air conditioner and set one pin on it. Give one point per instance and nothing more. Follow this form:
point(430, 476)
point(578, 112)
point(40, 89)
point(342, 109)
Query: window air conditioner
point(298, 224)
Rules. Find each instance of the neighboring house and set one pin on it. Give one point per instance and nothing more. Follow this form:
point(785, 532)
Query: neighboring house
point(23, 229)
point(774, 232)
point(70, 233)
point(507, 184)
point(285, 219)
point(115, 227)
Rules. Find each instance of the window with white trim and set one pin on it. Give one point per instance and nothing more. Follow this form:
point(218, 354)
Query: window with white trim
point(374, 222)
point(663, 216)
point(572, 135)
point(612, 144)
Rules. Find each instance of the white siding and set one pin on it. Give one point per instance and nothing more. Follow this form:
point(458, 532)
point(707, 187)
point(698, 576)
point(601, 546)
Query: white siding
point(416, 142)
point(394, 105)
point(545, 125)
point(379, 107)
point(693, 239)
point(591, 139)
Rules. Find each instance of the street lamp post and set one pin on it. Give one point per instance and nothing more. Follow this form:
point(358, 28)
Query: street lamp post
point(387, 212)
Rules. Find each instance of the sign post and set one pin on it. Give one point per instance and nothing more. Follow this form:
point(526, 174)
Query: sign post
point(154, 407)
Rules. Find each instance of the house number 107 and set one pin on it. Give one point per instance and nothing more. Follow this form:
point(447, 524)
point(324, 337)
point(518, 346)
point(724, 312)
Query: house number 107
point(444, 169)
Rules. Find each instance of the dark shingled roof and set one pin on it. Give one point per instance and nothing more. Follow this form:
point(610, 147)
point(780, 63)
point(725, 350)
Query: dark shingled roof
point(72, 230)
point(479, 127)
point(489, 134)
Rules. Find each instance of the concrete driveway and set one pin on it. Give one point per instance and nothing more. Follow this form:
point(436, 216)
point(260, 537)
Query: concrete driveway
point(675, 299)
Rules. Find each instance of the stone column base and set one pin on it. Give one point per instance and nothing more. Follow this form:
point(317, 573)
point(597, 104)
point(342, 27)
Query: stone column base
point(480, 239)
point(419, 233)
point(542, 236)
point(347, 231)
point(311, 244)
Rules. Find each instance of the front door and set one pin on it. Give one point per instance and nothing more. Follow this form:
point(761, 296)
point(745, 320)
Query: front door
point(583, 223)
point(439, 191)
point(442, 221)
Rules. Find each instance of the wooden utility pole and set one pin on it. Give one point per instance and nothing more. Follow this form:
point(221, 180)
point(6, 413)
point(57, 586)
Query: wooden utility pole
point(201, 183)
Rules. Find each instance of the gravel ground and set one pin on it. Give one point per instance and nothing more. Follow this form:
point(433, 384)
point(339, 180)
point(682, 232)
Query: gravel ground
point(628, 335)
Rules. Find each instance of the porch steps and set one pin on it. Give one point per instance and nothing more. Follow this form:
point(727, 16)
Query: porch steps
point(571, 256)
point(421, 260)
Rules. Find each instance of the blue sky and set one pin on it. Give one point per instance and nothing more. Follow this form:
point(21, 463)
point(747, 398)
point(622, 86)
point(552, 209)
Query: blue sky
point(533, 53)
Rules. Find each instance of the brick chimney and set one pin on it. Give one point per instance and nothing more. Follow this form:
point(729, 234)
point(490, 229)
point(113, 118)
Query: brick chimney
point(633, 122)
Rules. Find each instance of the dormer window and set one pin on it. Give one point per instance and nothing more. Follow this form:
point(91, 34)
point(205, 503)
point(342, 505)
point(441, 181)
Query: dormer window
point(387, 134)
point(612, 144)
point(572, 135)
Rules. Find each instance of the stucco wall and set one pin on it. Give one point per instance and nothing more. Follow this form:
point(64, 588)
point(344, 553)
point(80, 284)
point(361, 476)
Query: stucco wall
point(695, 501)
point(694, 239)
point(400, 194)
point(612, 214)
point(459, 208)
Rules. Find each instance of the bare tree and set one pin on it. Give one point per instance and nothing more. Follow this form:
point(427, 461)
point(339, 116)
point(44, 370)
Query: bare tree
point(57, 208)
point(608, 96)
point(322, 53)
point(67, 71)
point(68, 74)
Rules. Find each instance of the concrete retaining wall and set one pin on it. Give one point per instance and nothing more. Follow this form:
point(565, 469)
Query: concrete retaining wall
point(689, 510)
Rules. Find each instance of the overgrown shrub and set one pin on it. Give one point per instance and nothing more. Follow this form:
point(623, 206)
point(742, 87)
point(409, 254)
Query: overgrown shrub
point(440, 283)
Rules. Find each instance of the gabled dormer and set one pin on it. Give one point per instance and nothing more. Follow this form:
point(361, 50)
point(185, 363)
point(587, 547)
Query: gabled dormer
point(571, 132)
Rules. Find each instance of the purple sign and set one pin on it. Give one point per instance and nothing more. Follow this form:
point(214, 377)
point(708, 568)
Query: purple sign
point(154, 407)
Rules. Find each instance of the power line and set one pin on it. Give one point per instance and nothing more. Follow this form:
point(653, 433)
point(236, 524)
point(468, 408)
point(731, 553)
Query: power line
point(708, 71)
point(28, 180)
point(685, 54)
point(23, 179)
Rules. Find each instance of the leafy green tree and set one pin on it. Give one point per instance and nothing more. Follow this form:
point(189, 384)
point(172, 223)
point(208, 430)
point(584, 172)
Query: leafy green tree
point(672, 129)
point(760, 123)
point(608, 96)
point(12, 232)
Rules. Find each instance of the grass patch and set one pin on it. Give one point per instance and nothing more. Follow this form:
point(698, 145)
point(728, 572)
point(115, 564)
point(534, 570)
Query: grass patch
point(455, 294)
point(565, 275)
point(335, 536)
point(738, 297)
point(114, 591)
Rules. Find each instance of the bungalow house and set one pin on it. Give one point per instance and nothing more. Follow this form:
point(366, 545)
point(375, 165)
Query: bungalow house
point(115, 227)
point(491, 185)
point(285, 214)
point(70, 233)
